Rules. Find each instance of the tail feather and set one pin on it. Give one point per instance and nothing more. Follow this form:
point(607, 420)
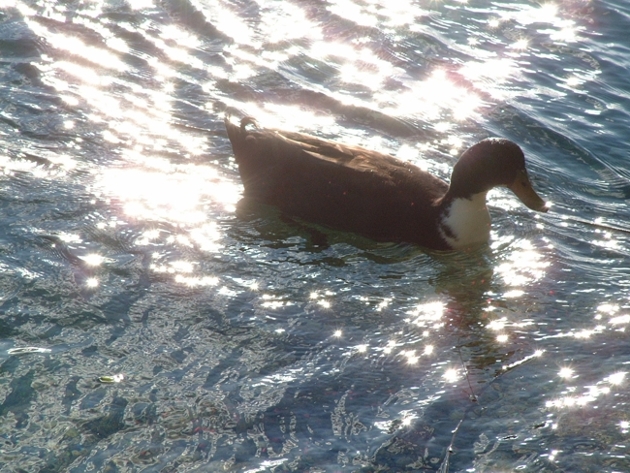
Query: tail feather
point(248, 121)
point(233, 130)
point(238, 132)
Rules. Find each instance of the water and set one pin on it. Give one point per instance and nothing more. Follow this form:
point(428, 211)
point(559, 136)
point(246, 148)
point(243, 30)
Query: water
point(154, 321)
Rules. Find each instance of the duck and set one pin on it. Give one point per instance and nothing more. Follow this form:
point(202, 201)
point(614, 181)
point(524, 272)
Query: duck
point(354, 189)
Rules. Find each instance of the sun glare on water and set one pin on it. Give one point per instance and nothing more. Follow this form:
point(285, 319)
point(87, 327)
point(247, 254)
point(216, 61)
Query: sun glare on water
point(180, 196)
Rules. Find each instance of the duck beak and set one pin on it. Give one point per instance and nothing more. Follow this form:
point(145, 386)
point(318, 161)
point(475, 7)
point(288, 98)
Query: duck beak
point(524, 191)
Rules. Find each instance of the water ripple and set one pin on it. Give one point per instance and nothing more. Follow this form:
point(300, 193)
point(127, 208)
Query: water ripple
point(159, 321)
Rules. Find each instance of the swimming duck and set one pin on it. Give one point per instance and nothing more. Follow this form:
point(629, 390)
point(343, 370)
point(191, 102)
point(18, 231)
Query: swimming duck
point(354, 189)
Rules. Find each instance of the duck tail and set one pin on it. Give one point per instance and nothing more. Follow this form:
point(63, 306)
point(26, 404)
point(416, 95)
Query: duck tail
point(233, 130)
point(238, 132)
point(248, 121)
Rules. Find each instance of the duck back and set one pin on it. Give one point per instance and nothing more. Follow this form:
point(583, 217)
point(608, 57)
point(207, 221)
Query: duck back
point(345, 187)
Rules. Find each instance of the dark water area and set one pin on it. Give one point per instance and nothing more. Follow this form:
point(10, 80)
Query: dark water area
point(152, 320)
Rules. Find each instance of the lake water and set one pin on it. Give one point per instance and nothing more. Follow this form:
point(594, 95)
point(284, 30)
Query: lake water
point(153, 321)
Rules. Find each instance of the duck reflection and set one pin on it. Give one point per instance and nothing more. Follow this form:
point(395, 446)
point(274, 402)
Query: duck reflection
point(484, 291)
point(468, 331)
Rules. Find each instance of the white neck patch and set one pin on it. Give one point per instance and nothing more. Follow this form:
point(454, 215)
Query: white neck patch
point(466, 222)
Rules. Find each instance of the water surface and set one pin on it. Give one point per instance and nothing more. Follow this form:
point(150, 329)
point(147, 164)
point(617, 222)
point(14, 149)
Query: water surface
point(153, 320)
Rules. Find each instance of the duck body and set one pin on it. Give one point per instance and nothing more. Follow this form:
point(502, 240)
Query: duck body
point(354, 189)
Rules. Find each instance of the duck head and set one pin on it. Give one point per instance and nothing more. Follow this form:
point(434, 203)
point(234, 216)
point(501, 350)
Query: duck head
point(492, 163)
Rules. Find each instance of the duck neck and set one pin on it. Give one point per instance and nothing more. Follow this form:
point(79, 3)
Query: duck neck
point(465, 222)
